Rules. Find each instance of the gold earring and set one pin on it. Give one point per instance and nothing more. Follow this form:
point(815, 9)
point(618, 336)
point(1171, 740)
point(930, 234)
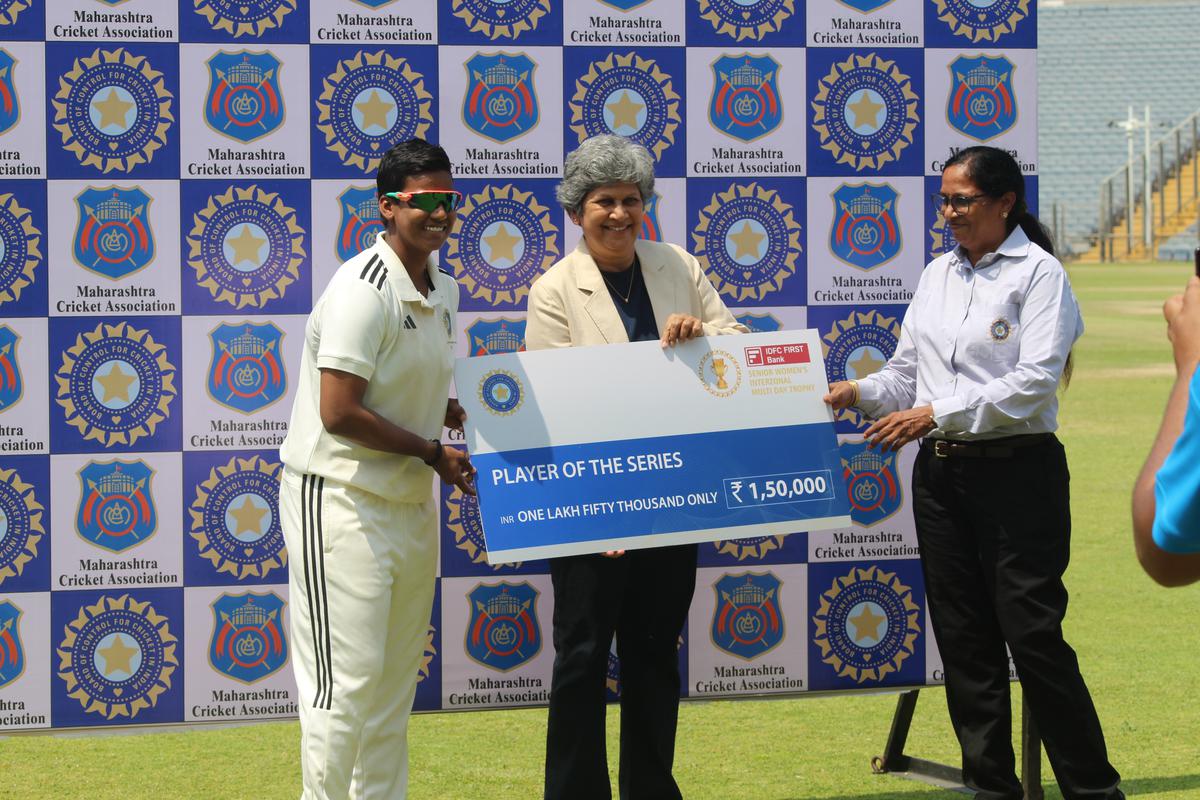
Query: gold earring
point(1003, 215)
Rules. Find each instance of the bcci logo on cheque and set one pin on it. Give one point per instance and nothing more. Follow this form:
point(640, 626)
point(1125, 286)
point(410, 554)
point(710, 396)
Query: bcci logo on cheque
point(500, 19)
point(866, 624)
point(20, 524)
point(235, 518)
point(112, 110)
point(747, 241)
point(627, 95)
point(501, 392)
point(245, 246)
point(505, 240)
point(115, 384)
point(369, 102)
point(865, 111)
point(117, 657)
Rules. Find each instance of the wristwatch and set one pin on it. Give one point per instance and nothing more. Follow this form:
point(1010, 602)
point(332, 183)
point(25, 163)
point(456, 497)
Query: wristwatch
point(437, 453)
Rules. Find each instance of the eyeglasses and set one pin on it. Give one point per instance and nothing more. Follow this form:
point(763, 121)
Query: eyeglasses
point(429, 200)
point(961, 203)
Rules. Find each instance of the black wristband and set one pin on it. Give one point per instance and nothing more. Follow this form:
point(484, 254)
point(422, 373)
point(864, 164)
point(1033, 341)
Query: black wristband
point(437, 454)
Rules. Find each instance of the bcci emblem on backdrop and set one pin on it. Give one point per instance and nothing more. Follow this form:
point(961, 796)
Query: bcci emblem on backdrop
point(235, 518)
point(982, 104)
point(115, 384)
point(865, 111)
point(244, 101)
point(500, 19)
point(112, 110)
point(19, 253)
point(20, 525)
point(246, 370)
point(116, 508)
point(865, 233)
point(746, 19)
point(982, 20)
point(500, 104)
point(503, 632)
point(248, 641)
point(748, 241)
point(369, 102)
point(359, 223)
point(630, 96)
point(12, 654)
point(856, 347)
point(866, 625)
point(745, 100)
point(10, 109)
point(240, 18)
point(11, 9)
point(117, 657)
point(11, 384)
point(113, 236)
point(873, 483)
point(747, 621)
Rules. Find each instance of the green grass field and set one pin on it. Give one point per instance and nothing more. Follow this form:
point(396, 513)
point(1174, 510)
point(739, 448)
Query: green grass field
point(1139, 646)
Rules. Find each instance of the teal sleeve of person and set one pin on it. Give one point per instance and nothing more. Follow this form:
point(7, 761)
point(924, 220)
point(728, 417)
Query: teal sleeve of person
point(1177, 485)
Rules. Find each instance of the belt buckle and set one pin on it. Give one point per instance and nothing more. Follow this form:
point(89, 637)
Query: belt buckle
point(941, 448)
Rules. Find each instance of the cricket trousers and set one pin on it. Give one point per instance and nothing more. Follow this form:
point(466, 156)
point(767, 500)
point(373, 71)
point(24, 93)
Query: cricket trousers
point(362, 572)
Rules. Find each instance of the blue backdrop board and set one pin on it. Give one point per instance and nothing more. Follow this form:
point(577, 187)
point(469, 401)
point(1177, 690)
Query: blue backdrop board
point(180, 180)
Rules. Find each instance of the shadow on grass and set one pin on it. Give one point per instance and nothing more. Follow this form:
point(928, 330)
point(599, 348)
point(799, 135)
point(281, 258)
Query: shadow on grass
point(1133, 788)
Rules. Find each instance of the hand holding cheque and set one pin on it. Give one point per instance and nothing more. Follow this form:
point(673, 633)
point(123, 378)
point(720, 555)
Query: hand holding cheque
point(604, 448)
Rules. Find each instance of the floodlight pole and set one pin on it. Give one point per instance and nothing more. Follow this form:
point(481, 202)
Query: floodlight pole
point(1147, 194)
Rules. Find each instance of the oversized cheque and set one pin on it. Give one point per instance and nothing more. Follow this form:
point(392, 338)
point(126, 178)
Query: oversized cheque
point(589, 449)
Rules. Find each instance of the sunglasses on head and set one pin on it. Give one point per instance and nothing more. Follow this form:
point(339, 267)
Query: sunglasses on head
point(429, 200)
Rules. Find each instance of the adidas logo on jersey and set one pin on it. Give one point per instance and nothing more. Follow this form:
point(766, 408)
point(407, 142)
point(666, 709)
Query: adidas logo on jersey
point(409, 323)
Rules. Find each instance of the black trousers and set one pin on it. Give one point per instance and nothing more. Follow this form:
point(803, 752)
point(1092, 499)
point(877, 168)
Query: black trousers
point(995, 540)
point(643, 597)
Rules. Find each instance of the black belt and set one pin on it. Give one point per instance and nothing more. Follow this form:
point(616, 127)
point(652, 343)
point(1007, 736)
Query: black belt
point(991, 448)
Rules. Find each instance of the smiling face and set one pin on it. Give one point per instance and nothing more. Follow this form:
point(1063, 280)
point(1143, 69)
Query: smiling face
point(982, 228)
point(414, 233)
point(611, 219)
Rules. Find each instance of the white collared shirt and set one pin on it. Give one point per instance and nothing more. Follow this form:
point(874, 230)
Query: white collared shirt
point(984, 345)
point(372, 322)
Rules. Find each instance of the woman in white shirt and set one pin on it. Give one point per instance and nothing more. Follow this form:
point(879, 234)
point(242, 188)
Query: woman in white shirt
point(984, 346)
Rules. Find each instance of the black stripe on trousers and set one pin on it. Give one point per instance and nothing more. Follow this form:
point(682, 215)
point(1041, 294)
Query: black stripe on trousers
point(313, 558)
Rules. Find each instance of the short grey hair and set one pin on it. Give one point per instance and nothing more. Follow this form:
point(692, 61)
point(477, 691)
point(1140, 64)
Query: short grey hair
point(603, 160)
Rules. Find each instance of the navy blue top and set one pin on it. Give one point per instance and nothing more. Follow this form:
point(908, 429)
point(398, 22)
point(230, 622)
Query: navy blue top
point(636, 313)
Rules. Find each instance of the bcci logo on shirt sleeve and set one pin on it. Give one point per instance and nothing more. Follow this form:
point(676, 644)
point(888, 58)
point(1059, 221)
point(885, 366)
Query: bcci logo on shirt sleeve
point(872, 481)
point(246, 246)
point(360, 223)
point(116, 507)
point(865, 231)
point(246, 372)
point(749, 549)
point(235, 518)
point(500, 19)
point(117, 657)
point(240, 18)
point(747, 621)
point(10, 10)
point(982, 20)
point(113, 236)
point(20, 525)
point(112, 110)
point(748, 241)
point(19, 253)
point(115, 384)
point(505, 240)
point(745, 101)
point(627, 95)
point(12, 654)
point(10, 109)
point(982, 104)
point(244, 101)
point(491, 337)
point(746, 19)
point(858, 346)
point(248, 641)
point(865, 111)
point(866, 625)
point(503, 632)
point(500, 103)
point(12, 386)
point(369, 102)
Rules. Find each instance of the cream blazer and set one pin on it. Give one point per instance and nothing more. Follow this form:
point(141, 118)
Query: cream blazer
point(569, 306)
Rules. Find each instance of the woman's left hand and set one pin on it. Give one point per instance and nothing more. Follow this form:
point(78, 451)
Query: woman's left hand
point(680, 328)
point(899, 428)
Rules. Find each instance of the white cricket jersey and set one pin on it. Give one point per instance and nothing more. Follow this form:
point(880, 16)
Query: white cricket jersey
point(372, 322)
